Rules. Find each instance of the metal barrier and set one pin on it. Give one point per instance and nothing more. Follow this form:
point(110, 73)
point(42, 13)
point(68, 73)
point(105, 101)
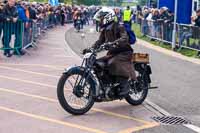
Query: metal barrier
point(30, 35)
point(189, 37)
point(25, 34)
point(9, 29)
point(161, 31)
point(69, 18)
point(157, 30)
point(34, 30)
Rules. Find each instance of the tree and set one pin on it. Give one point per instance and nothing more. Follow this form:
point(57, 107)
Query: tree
point(142, 2)
point(88, 2)
point(147, 2)
point(68, 1)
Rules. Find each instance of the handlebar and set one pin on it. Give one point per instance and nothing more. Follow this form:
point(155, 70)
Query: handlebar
point(104, 46)
point(108, 45)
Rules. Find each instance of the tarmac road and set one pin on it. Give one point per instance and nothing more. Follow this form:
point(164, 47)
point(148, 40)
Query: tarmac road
point(178, 80)
point(28, 99)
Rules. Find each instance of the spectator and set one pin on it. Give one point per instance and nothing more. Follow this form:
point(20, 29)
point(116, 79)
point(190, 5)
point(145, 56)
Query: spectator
point(97, 21)
point(196, 19)
point(149, 17)
point(127, 15)
point(33, 12)
point(33, 18)
point(164, 16)
point(118, 15)
point(197, 23)
point(150, 23)
point(144, 22)
point(169, 26)
point(62, 14)
point(2, 18)
point(156, 23)
point(51, 16)
point(86, 16)
point(186, 35)
point(164, 13)
point(11, 16)
point(22, 12)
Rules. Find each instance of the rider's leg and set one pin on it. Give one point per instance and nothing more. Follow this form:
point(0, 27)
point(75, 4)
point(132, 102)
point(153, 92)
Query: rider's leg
point(124, 87)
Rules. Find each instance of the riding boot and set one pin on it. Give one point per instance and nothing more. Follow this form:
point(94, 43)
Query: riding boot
point(124, 87)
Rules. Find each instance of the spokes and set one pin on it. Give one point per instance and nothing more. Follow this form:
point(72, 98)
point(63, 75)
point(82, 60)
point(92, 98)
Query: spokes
point(79, 95)
point(77, 103)
point(136, 95)
point(137, 91)
point(71, 83)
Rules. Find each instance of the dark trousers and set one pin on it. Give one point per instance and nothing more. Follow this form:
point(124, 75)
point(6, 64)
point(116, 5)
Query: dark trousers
point(1, 28)
point(62, 20)
point(87, 20)
point(74, 23)
point(185, 36)
point(128, 22)
point(97, 26)
point(8, 30)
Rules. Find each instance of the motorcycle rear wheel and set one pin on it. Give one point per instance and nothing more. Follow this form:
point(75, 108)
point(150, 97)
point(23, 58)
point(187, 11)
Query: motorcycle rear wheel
point(138, 97)
point(70, 107)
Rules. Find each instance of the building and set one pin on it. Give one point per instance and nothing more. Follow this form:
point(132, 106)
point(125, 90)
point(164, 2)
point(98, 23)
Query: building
point(186, 8)
point(195, 5)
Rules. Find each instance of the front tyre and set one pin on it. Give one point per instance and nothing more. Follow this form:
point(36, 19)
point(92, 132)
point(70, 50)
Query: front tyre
point(74, 98)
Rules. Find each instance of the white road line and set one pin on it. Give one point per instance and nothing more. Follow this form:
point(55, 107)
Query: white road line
point(194, 128)
point(164, 112)
point(157, 108)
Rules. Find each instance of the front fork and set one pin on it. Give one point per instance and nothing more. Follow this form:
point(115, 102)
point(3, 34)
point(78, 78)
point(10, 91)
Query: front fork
point(80, 84)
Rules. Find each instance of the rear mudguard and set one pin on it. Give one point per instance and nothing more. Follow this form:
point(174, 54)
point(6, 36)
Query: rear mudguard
point(144, 69)
point(91, 78)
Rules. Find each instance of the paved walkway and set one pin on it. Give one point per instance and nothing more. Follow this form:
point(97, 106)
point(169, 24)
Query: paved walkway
point(28, 101)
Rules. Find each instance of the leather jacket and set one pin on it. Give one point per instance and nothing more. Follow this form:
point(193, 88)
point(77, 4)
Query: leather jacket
point(10, 12)
point(112, 33)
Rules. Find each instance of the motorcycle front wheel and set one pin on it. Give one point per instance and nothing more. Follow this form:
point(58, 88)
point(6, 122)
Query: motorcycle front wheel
point(74, 97)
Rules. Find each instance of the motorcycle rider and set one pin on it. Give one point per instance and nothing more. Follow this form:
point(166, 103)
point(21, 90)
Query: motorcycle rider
point(78, 14)
point(119, 57)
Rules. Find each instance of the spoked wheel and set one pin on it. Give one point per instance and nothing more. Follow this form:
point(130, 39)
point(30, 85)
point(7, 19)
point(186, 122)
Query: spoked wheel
point(138, 92)
point(75, 93)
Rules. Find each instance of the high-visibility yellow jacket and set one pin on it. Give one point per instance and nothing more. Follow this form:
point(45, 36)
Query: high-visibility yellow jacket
point(127, 15)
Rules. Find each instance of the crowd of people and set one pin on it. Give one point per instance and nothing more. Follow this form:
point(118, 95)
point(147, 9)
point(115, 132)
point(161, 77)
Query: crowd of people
point(158, 23)
point(155, 22)
point(14, 13)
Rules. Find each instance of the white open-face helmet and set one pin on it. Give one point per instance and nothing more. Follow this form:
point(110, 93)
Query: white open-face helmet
point(105, 15)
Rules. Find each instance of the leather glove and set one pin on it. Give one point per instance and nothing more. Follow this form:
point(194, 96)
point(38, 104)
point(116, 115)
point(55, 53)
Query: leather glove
point(87, 50)
point(107, 47)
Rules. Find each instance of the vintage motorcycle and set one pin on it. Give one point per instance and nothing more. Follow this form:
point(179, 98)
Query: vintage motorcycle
point(81, 86)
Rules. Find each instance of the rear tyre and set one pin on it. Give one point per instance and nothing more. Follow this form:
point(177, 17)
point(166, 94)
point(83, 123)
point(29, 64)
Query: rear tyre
point(134, 102)
point(139, 92)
